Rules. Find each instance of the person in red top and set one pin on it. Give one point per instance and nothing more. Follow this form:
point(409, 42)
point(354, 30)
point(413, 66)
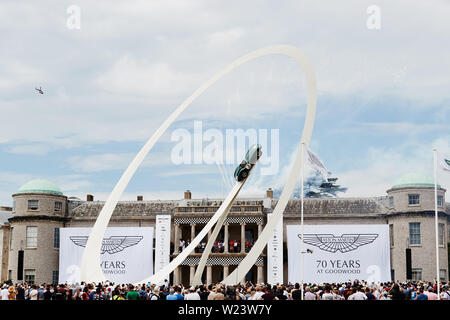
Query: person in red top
point(85, 295)
point(231, 245)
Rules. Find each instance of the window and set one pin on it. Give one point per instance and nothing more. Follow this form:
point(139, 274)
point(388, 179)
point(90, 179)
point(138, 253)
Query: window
point(55, 276)
point(391, 234)
point(414, 233)
point(441, 234)
point(30, 276)
point(440, 201)
point(31, 237)
point(33, 204)
point(56, 238)
point(413, 199)
point(391, 202)
point(58, 206)
point(442, 274)
point(416, 274)
point(14, 205)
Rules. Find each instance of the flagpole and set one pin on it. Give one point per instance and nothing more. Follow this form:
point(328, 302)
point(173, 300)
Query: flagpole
point(302, 170)
point(436, 222)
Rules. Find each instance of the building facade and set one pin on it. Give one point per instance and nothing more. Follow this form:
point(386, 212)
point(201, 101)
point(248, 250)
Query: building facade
point(30, 231)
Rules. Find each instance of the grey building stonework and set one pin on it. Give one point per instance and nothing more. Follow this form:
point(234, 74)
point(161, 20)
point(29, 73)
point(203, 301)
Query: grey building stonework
point(408, 209)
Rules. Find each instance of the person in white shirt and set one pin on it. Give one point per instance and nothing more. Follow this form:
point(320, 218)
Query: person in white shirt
point(327, 295)
point(4, 293)
point(358, 295)
point(384, 296)
point(259, 293)
point(377, 294)
point(445, 294)
point(33, 293)
point(337, 295)
point(252, 294)
point(310, 295)
point(192, 295)
point(155, 295)
point(166, 284)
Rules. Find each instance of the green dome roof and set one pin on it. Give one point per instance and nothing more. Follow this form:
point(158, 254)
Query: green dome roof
point(414, 180)
point(40, 186)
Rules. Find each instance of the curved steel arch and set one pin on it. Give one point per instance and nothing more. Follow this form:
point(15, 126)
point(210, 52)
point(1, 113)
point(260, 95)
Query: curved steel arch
point(90, 263)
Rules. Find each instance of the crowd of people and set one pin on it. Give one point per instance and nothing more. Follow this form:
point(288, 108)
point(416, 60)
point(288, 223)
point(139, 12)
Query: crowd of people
point(355, 290)
point(218, 246)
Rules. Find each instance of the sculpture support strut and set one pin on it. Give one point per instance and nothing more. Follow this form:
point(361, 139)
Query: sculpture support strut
point(90, 263)
point(201, 265)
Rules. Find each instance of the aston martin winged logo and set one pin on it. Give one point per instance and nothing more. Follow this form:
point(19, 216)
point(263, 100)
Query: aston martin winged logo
point(343, 243)
point(112, 244)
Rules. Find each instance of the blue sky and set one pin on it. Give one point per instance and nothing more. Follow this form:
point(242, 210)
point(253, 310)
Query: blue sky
point(383, 99)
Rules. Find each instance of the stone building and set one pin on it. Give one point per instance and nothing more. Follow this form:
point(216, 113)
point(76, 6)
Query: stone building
point(30, 233)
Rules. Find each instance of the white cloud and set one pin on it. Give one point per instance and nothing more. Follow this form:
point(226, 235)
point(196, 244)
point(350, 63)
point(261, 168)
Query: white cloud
point(152, 79)
point(379, 168)
point(101, 162)
point(114, 161)
point(32, 149)
point(129, 73)
point(10, 182)
point(116, 81)
point(225, 38)
point(16, 73)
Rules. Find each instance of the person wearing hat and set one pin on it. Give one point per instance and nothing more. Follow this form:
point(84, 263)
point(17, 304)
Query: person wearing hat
point(12, 293)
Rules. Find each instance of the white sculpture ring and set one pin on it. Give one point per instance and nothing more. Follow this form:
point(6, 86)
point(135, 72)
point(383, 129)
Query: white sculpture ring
point(90, 270)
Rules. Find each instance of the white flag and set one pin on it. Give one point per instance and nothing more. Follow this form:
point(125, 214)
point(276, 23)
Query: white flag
point(316, 164)
point(443, 163)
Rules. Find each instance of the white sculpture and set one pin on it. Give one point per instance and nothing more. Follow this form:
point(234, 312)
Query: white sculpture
point(90, 264)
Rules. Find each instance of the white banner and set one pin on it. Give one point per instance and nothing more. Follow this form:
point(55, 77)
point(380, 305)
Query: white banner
point(126, 254)
point(339, 253)
point(275, 254)
point(162, 245)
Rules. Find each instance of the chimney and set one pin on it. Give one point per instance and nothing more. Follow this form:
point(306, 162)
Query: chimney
point(269, 193)
point(187, 194)
point(140, 198)
point(89, 197)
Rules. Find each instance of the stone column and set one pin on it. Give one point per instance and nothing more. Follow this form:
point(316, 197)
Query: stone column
point(243, 237)
point(260, 274)
point(176, 276)
point(192, 231)
point(260, 228)
point(226, 270)
point(208, 274)
point(209, 234)
point(176, 239)
point(192, 274)
point(225, 238)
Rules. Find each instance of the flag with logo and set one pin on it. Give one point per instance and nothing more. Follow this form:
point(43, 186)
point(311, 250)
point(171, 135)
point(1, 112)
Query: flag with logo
point(316, 164)
point(443, 163)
